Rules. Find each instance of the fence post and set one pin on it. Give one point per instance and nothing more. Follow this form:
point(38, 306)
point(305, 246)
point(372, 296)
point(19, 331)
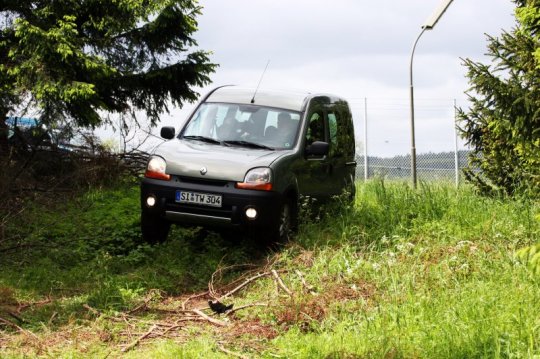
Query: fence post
point(366, 170)
point(456, 156)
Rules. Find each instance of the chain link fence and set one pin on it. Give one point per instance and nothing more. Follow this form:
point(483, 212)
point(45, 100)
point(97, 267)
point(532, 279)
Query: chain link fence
point(383, 134)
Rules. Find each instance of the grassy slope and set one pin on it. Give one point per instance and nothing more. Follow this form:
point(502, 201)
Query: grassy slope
point(402, 273)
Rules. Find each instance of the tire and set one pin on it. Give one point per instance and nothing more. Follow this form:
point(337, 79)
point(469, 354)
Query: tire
point(287, 222)
point(352, 191)
point(154, 228)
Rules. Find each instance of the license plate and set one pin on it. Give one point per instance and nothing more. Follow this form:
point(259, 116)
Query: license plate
point(204, 199)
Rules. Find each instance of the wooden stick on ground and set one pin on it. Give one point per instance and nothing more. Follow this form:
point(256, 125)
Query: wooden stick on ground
point(246, 306)
point(307, 287)
point(245, 283)
point(227, 351)
point(280, 283)
point(138, 340)
point(221, 323)
point(185, 302)
point(24, 331)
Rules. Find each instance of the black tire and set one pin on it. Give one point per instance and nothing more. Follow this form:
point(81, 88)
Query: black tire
point(287, 222)
point(154, 228)
point(351, 191)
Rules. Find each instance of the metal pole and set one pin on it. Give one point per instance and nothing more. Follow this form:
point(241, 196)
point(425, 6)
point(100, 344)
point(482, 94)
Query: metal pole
point(456, 158)
point(413, 142)
point(366, 173)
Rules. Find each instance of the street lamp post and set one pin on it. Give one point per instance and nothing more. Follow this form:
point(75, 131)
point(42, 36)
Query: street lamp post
point(428, 25)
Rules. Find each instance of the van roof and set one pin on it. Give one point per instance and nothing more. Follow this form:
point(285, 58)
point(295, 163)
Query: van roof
point(285, 99)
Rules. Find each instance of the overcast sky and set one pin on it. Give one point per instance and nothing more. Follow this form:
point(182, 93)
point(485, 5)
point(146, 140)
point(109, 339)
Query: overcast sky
point(360, 50)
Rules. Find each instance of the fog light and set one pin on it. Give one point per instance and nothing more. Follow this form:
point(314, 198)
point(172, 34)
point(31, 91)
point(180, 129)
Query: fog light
point(151, 201)
point(251, 213)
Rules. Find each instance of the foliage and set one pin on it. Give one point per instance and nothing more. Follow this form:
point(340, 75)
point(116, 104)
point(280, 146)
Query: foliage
point(75, 59)
point(503, 123)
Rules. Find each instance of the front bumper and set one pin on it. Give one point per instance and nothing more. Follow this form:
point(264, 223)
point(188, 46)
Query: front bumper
point(231, 214)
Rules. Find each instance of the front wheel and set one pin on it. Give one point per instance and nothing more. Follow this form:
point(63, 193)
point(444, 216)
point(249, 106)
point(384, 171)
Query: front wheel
point(154, 228)
point(287, 222)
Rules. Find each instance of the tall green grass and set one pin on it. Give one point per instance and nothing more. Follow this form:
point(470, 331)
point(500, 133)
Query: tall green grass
point(399, 273)
point(442, 262)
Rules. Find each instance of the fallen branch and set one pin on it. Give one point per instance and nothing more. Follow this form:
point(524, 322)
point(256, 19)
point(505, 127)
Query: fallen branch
point(280, 283)
point(92, 310)
point(307, 287)
point(138, 340)
point(219, 273)
point(245, 283)
point(221, 323)
point(184, 303)
point(227, 351)
point(246, 306)
point(28, 305)
point(144, 304)
point(24, 331)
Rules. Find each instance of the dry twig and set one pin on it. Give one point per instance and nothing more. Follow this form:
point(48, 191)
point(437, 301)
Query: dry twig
point(245, 283)
point(227, 351)
point(185, 302)
point(307, 287)
point(280, 283)
point(24, 331)
point(246, 306)
point(138, 340)
point(221, 323)
point(92, 310)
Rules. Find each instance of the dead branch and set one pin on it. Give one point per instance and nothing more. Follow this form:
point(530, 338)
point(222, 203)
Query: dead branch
point(92, 310)
point(307, 288)
point(184, 303)
point(28, 305)
point(280, 283)
point(138, 340)
point(219, 272)
point(144, 304)
point(245, 283)
point(24, 331)
point(221, 323)
point(247, 306)
point(227, 351)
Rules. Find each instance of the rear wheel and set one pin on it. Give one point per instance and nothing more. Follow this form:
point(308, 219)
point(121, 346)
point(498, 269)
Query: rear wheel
point(154, 228)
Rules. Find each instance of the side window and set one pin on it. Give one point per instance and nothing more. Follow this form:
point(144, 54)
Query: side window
point(333, 133)
point(315, 131)
point(345, 131)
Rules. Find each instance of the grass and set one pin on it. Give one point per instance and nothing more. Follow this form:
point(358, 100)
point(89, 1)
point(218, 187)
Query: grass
point(402, 273)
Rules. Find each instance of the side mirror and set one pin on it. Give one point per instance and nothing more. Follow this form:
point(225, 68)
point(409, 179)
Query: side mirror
point(167, 132)
point(317, 148)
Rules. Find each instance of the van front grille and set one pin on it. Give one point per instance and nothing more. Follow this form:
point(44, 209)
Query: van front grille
point(202, 181)
point(224, 212)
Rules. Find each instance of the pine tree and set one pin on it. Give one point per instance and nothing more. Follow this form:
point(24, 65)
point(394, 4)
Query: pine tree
point(502, 125)
point(81, 59)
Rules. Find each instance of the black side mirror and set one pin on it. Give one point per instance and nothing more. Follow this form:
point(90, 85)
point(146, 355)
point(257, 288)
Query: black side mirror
point(317, 148)
point(167, 132)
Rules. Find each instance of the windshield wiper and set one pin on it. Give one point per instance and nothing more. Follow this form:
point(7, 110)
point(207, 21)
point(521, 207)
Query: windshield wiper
point(203, 138)
point(249, 144)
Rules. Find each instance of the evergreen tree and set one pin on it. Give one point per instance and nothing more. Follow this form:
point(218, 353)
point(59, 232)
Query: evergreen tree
point(78, 59)
point(503, 122)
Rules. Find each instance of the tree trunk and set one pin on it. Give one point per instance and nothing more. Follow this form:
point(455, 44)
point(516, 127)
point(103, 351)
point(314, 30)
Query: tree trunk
point(4, 146)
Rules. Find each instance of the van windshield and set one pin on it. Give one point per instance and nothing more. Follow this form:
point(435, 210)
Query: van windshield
point(235, 124)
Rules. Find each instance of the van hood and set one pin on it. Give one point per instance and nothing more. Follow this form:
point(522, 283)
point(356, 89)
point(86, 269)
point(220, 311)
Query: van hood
point(188, 157)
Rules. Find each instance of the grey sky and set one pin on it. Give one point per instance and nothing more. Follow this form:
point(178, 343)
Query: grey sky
point(357, 49)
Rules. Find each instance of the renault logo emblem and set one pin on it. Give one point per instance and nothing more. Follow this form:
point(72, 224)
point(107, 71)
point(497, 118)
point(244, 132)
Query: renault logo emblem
point(203, 171)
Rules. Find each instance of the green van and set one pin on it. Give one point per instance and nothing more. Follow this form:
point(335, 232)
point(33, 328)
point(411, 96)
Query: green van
point(244, 159)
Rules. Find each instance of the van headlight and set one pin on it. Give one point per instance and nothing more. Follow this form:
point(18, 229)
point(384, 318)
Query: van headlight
point(259, 178)
point(156, 169)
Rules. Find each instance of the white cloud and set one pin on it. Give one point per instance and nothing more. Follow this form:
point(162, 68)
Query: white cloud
point(358, 49)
